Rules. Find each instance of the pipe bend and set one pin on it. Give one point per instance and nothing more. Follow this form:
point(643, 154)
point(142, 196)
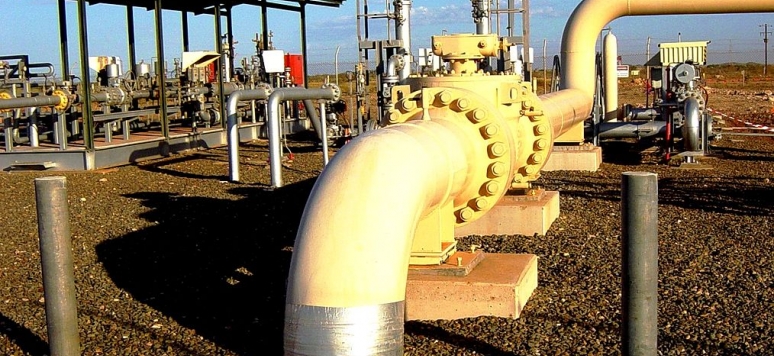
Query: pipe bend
point(369, 213)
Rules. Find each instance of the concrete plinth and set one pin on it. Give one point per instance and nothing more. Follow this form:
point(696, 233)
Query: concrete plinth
point(499, 285)
point(586, 157)
point(516, 215)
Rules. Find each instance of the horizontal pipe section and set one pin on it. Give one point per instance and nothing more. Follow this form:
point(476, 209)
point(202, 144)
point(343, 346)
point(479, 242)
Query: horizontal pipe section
point(276, 97)
point(632, 129)
point(232, 129)
point(566, 108)
point(362, 265)
point(30, 102)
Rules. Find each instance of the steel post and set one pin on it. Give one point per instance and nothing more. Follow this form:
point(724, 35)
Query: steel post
point(184, 25)
point(161, 71)
point(130, 38)
point(639, 250)
point(63, 39)
point(219, 70)
point(88, 117)
point(57, 266)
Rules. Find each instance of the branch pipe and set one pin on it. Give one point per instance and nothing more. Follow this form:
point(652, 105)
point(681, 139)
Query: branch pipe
point(590, 17)
point(232, 129)
point(277, 97)
point(314, 118)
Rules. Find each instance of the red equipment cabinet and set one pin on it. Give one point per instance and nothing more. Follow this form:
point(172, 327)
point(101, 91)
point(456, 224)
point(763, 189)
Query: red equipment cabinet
point(296, 64)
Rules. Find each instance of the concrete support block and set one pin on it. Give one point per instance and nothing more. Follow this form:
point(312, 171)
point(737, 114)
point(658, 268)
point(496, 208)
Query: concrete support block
point(499, 285)
point(585, 157)
point(516, 215)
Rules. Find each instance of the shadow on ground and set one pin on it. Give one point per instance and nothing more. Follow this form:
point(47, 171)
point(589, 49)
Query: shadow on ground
point(30, 343)
point(216, 266)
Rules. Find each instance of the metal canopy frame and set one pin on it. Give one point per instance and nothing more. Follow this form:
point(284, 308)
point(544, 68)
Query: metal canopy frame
point(91, 156)
point(199, 7)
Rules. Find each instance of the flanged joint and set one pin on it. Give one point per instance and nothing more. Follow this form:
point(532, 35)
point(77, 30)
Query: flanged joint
point(64, 100)
point(336, 90)
point(3, 96)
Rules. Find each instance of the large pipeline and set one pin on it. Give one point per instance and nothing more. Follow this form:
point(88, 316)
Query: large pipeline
point(347, 281)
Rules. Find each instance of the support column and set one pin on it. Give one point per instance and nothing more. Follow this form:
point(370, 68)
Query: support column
point(525, 34)
point(88, 117)
point(63, 39)
point(304, 58)
point(161, 72)
point(219, 67)
point(184, 15)
point(130, 38)
point(230, 30)
point(265, 27)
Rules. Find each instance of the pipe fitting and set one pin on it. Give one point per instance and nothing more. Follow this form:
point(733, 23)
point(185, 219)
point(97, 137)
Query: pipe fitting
point(488, 131)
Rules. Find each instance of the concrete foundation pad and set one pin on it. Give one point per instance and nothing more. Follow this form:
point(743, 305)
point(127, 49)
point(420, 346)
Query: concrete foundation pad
point(585, 157)
point(499, 285)
point(516, 215)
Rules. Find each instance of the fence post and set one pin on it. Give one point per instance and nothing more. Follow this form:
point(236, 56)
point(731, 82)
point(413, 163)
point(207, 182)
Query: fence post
point(639, 245)
point(57, 265)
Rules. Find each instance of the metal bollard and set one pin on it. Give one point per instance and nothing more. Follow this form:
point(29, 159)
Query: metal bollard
point(639, 250)
point(57, 264)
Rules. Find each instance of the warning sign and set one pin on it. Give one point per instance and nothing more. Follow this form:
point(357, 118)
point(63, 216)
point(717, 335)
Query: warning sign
point(623, 71)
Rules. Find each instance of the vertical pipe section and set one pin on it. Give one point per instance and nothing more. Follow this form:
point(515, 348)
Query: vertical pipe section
point(161, 71)
point(274, 124)
point(232, 131)
point(130, 38)
point(481, 16)
point(324, 133)
point(639, 289)
point(610, 51)
point(64, 50)
point(57, 265)
point(88, 117)
point(403, 33)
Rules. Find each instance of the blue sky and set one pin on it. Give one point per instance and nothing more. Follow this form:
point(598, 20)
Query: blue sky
point(329, 28)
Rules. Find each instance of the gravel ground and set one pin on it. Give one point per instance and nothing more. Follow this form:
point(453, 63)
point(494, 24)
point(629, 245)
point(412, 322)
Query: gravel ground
point(173, 260)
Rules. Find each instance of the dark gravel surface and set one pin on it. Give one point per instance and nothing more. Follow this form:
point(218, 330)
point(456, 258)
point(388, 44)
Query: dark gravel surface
point(173, 260)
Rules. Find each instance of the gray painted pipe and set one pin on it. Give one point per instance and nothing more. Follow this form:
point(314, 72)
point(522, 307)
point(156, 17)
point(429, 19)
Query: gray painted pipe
point(276, 97)
point(403, 33)
point(639, 289)
point(324, 134)
point(632, 129)
point(692, 127)
point(232, 129)
point(643, 114)
point(482, 19)
point(57, 266)
point(314, 118)
point(30, 102)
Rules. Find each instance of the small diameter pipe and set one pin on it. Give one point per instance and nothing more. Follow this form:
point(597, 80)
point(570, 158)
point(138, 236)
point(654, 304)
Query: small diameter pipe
point(57, 265)
point(639, 289)
point(324, 134)
point(232, 129)
point(277, 97)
